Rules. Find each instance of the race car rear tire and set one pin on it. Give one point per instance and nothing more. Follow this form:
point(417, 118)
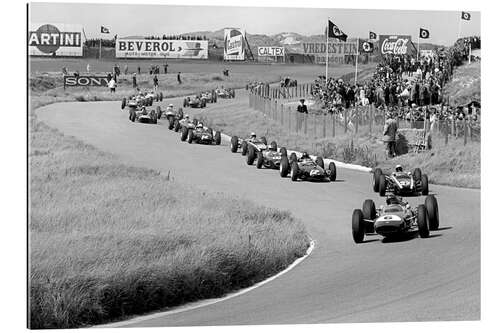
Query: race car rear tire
point(294, 171)
point(293, 157)
point(184, 134)
point(382, 185)
point(425, 184)
point(250, 155)
point(284, 166)
point(185, 103)
point(376, 178)
point(190, 136)
point(215, 98)
point(283, 152)
point(333, 171)
point(217, 138)
point(417, 174)
point(274, 146)
point(358, 226)
point(234, 144)
point(422, 221)
point(263, 139)
point(370, 213)
point(177, 125)
point(158, 111)
point(432, 212)
point(244, 148)
point(170, 122)
point(124, 103)
point(260, 159)
point(320, 162)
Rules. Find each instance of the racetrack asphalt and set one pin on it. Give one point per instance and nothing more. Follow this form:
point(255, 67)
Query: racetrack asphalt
point(415, 279)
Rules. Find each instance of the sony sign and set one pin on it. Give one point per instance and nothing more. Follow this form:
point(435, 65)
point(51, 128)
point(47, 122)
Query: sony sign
point(85, 81)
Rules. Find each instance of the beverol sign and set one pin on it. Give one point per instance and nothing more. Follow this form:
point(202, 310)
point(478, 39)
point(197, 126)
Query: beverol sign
point(271, 51)
point(234, 44)
point(55, 39)
point(85, 81)
point(161, 48)
point(395, 44)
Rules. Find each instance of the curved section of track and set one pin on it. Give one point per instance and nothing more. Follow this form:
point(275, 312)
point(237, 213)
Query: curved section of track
point(413, 280)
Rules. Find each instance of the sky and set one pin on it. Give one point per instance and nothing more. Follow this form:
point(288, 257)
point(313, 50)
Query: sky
point(143, 20)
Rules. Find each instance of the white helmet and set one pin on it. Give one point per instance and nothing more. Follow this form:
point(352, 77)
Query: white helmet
point(199, 125)
point(399, 168)
point(253, 134)
point(171, 105)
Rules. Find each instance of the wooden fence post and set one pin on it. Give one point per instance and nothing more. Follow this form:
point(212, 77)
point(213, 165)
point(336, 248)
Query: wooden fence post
point(333, 123)
point(324, 125)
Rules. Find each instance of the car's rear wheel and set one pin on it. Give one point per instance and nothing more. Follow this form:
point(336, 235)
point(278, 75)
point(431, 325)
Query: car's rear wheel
point(244, 148)
point(158, 112)
point(425, 184)
point(284, 166)
point(382, 185)
point(274, 146)
point(177, 125)
point(124, 103)
point(184, 134)
point(234, 144)
point(185, 103)
point(432, 212)
point(294, 171)
point(250, 155)
point(370, 213)
point(283, 152)
point(422, 221)
point(190, 136)
point(170, 122)
point(333, 171)
point(217, 138)
point(417, 174)
point(260, 159)
point(358, 226)
point(293, 157)
point(376, 179)
point(320, 162)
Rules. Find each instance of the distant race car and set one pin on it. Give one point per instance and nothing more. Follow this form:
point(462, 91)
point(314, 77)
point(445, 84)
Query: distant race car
point(141, 99)
point(201, 135)
point(395, 218)
point(209, 96)
point(173, 116)
point(194, 102)
point(225, 93)
point(266, 156)
point(401, 183)
point(237, 143)
point(305, 168)
point(144, 115)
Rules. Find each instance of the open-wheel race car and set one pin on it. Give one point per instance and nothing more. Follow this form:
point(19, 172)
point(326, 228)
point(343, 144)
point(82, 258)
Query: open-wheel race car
point(225, 92)
point(201, 135)
point(400, 182)
point(244, 144)
point(395, 218)
point(209, 96)
point(173, 116)
point(305, 168)
point(141, 99)
point(266, 156)
point(195, 102)
point(185, 122)
point(144, 115)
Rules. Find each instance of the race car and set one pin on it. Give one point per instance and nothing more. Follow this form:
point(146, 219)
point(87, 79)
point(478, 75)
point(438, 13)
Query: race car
point(267, 156)
point(201, 135)
point(185, 123)
point(395, 218)
point(305, 168)
point(195, 102)
point(400, 182)
point(225, 93)
point(153, 96)
point(173, 116)
point(143, 115)
point(237, 143)
point(134, 101)
point(209, 96)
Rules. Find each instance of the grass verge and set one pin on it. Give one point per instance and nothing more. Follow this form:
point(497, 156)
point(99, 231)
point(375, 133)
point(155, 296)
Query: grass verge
point(108, 240)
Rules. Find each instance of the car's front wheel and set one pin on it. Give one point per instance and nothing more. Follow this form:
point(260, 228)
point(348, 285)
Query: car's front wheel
point(358, 226)
point(422, 221)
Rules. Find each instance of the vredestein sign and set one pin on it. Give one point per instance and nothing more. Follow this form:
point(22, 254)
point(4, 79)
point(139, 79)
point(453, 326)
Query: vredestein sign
point(336, 51)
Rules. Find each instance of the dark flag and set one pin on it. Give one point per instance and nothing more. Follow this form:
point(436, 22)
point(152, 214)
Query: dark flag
point(104, 30)
point(466, 16)
point(365, 46)
point(335, 32)
point(424, 33)
point(373, 35)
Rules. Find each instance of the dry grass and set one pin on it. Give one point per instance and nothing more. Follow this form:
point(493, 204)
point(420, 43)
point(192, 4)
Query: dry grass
point(465, 84)
point(108, 240)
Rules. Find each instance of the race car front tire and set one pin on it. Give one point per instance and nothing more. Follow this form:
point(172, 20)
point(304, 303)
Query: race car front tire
point(283, 152)
point(124, 103)
point(177, 125)
point(358, 226)
point(320, 162)
point(184, 134)
point(432, 212)
point(293, 157)
point(425, 184)
point(234, 144)
point(294, 171)
point(170, 122)
point(376, 179)
point(370, 213)
point(217, 138)
point(260, 159)
point(244, 148)
point(382, 185)
point(190, 136)
point(284, 166)
point(422, 221)
point(250, 155)
point(333, 171)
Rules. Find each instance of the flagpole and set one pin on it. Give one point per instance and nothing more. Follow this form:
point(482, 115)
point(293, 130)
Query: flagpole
point(356, 71)
point(418, 47)
point(459, 26)
point(100, 43)
point(326, 67)
point(470, 50)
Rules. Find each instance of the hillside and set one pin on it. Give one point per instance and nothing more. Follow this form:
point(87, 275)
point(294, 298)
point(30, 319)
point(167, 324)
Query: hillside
point(465, 85)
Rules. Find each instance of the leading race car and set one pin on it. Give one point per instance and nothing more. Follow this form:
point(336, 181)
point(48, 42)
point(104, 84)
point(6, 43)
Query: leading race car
point(400, 182)
point(267, 156)
point(305, 168)
point(195, 102)
point(237, 143)
point(135, 101)
point(395, 218)
point(144, 115)
point(201, 135)
point(225, 92)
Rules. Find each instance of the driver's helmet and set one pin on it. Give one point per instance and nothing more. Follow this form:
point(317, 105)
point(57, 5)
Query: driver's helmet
point(170, 105)
point(186, 116)
point(200, 125)
point(305, 155)
point(253, 135)
point(392, 199)
point(399, 168)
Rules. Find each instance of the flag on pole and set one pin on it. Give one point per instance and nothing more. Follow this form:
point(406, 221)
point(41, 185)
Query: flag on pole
point(104, 30)
point(424, 33)
point(335, 32)
point(466, 16)
point(372, 35)
point(365, 46)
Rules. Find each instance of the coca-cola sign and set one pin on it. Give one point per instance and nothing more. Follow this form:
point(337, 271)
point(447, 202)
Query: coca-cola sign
point(395, 44)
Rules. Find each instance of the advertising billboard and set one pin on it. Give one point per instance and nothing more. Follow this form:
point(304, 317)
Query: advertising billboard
point(337, 52)
point(55, 39)
point(271, 51)
point(394, 44)
point(85, 81)
point(234, 44)
point(161, 48)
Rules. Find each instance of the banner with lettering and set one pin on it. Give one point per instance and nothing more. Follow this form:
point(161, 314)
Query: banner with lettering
point(395, 44)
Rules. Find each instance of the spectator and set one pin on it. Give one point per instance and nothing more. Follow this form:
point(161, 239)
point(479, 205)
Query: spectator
point(88, 68)
point(125, 70)
point(390, 129)
point(165, 67)
point(179, 78)
point(139, 70)
point(155, 83)
point(301, 109)
point(112, 85)
point(134, 80)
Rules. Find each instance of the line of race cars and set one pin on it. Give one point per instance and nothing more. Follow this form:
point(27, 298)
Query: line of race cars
point(393, 219)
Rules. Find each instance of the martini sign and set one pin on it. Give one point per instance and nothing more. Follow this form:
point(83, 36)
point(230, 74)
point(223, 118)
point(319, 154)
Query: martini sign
point(55, 39)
